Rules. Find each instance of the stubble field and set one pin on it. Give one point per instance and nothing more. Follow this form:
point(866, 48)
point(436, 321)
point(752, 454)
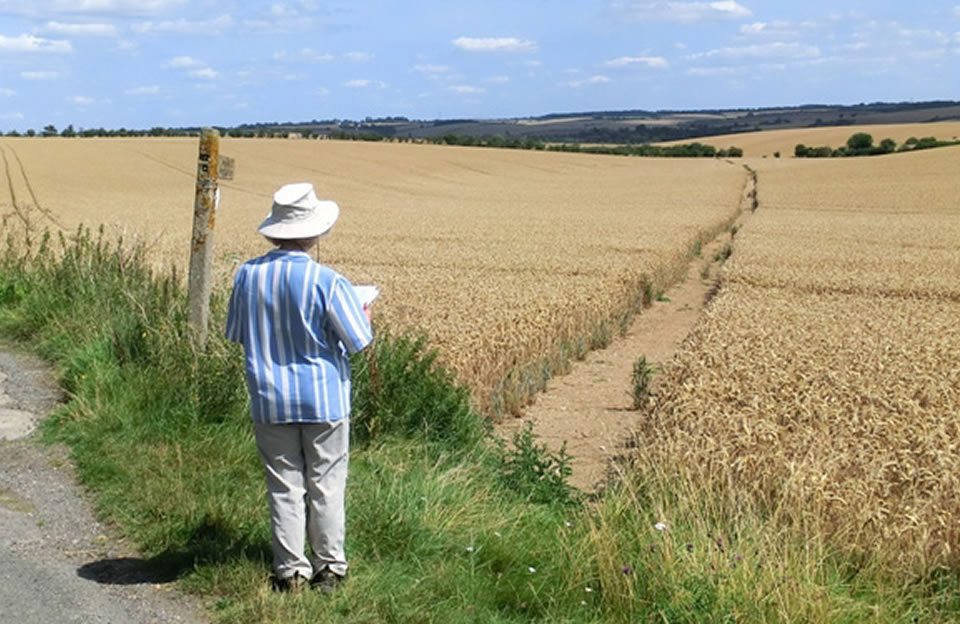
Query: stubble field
point(512, 262)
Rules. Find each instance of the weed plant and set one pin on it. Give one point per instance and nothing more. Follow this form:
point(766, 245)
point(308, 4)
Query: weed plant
point(444, 525)
point(723, 254)
point(640, 379)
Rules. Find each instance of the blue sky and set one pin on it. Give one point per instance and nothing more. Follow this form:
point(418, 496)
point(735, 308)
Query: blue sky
point(143, 63)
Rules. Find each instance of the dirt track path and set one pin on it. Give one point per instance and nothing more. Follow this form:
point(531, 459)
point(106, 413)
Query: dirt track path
point(590, 408)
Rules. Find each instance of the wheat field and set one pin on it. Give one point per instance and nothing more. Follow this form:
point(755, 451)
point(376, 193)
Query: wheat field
point(510, 261)
point(766, 143)
point(824, 379)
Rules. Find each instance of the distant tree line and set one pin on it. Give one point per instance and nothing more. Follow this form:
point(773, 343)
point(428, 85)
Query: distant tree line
point(157, 131)
point(861, 144)
point(684, 150)
point(687, 150)
point(70, 132)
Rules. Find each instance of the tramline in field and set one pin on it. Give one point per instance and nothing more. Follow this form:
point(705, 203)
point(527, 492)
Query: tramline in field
point(824, 380)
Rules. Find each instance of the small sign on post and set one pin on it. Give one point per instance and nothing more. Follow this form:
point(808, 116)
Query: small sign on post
point(201, 249)
point(225, 168)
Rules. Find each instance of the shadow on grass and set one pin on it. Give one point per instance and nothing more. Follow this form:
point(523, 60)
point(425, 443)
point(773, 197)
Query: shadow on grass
point(210, 542)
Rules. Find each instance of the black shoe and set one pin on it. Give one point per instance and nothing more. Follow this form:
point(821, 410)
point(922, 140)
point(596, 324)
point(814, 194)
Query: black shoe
point(326, 581)
point(291, 584)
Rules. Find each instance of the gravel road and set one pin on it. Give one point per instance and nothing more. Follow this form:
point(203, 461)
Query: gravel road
point(57, 563)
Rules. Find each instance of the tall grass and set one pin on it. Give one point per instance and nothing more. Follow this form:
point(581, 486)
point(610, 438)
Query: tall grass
point(444, 525)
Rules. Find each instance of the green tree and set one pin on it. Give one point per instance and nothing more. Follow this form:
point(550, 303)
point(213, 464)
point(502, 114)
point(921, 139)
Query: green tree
point(68, 132)
point(50, 130)
point(800, 150)
point(860, 141)
point(888, 145)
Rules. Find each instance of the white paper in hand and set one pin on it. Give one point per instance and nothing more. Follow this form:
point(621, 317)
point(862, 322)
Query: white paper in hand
point(366, 294)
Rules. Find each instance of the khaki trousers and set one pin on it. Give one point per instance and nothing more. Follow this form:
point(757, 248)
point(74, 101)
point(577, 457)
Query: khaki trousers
point(306, 470)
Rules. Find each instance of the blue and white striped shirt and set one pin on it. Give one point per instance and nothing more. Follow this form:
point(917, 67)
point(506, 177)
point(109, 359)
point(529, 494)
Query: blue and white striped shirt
point(297, 321)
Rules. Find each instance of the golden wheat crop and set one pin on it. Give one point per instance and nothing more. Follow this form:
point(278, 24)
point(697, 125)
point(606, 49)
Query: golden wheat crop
point(767, 142)
point(824, 379)
point(509, 260)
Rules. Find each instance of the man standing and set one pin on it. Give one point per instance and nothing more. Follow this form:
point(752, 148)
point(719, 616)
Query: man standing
point(297, 321)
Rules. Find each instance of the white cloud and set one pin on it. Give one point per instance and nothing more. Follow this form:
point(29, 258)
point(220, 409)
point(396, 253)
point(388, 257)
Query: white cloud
point(768, 50)
point(81, 100)
point(363, 83)
point(498, 79)
point(431, 70)
point(39, 75)
point(467, 90)
point(928, 55)
point(494, 44)
point(80, 30)
point(854, 47)
point(144, 90)
point(181, 26)
point(598, 79)
point(280, 24)
point(305, 55)
point(680, 11)
point(779, 29)
point(533, 63)
point(282, 9)
point(30, 43)
point(182, 61)
point(206, 73)
point(11, 116)
point(322, 92)
point(655, 62)
point(358, 57)
point(956, 10)
point(926, 34)
point(711, 71)
point(728, 7)
point(80, 7)
point(312, 56)
point(7, 92)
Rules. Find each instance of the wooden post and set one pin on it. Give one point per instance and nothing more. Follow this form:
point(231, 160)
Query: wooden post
point(201, 249)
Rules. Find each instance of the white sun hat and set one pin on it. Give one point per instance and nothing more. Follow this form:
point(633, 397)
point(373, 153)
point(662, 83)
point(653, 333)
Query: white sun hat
point(297, 213)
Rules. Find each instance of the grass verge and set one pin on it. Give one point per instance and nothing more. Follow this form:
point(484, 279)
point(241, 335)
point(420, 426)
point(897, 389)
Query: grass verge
point(444, 524)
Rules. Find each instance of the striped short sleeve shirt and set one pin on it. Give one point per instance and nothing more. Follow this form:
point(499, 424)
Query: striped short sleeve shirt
point(297, 321)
